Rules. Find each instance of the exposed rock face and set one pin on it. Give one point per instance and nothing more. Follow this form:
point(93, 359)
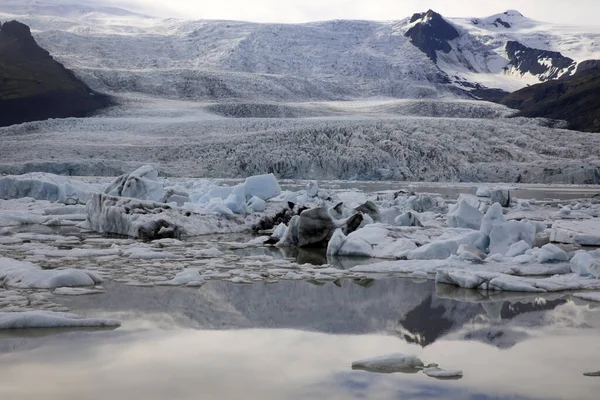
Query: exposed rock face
point(431, 33)
point(546, 65)
point(498, 22)
point(587, 66)
point(33, 86)
point(573, 99)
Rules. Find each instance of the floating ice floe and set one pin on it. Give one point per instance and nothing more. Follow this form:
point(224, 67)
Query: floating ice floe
point(586, 232)
point(592, 296)
point(49, 319)
point(436, 372)
point(390, 363)
point(76, 291)
point(140, 253)
point(189, 277)
point(26, 275)
point(49, 279)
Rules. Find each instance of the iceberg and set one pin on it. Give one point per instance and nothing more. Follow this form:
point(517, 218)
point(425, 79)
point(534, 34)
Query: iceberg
point(551, 253)
point(585, 232)
point(44, 186)
point(442, 249)
point(236, 201)
point(586, 263)
point(26, 275)
point(256, 204)
point(140, 184)
point(262, 186)
point(463, 215)
point(371, 241)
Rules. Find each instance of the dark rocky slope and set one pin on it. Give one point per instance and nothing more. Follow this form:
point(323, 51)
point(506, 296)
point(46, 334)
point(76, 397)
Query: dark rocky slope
point(574, 99)
point(33, 86)
point(546, 65)
point(432, 33)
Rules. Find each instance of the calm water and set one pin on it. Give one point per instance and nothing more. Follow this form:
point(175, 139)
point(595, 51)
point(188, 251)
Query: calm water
point(296, 340)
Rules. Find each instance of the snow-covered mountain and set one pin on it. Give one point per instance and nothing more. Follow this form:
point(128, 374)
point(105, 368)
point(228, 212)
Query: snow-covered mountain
point(426, 56)
point(506, 51)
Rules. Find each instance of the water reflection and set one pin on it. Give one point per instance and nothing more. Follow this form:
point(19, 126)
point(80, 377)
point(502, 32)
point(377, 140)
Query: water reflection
point(313, 256)
point(294, 340)
point(289, 364)
point(420, 314)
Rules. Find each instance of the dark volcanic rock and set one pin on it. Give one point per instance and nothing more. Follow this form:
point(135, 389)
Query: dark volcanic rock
point(587, 66)
point(33, 86)
point(498, 22)
point(574, 99)
point(431, 34)
point(526, 59)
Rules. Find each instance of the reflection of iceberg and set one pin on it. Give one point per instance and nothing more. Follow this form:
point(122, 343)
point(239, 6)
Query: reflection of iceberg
point(434, 318)
point(498, 336)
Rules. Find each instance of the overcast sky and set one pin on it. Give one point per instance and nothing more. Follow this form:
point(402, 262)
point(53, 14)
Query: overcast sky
point(577, 12)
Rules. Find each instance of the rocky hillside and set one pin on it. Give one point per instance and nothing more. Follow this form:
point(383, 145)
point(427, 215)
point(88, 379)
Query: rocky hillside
point(575, 99)
point(33, 86)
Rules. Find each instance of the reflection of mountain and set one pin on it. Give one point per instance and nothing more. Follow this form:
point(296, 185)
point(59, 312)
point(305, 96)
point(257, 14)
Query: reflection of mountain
point(510, 310)
point(354, 308)
point(436, 317)
point(357, 307)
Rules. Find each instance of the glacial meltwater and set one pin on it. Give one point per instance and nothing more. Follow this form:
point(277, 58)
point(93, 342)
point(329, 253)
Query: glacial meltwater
point(102, 316)
point(297, 340)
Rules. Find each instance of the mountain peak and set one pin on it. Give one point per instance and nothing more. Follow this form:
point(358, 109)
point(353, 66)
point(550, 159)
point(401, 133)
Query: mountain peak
point(430, 32)
point(34, 85)
point(425, 16)
point(16, 41)
point(513, 13)
point(507, 19)
point(16, 29)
